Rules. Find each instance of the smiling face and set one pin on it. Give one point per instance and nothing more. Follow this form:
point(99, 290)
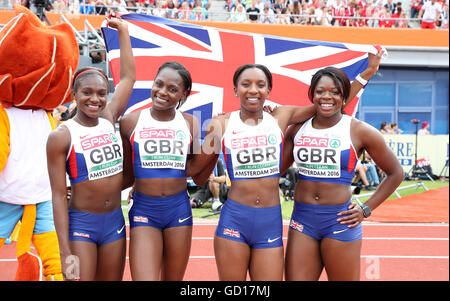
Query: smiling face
point(252, 88)
point(327, 97)
point(91, 95)
point(168, 90)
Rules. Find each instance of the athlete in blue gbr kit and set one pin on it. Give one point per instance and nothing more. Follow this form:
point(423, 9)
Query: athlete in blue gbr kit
point(325, 228)
point(248, 237)
point(157, 144)
point(91, 225)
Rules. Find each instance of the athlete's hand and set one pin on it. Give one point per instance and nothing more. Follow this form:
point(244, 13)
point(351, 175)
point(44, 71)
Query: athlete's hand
point(268, 109)
point(70, 267)
point(115, 21)
point(351, 217)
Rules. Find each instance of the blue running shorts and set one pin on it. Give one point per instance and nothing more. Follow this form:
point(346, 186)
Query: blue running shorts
point(320, 221)
point(99, 229)
point(259, 228)
point(160, 212)
point(10, 214)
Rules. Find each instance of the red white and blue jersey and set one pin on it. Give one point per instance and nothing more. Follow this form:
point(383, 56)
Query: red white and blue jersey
point(160, 148)
point(252, 151)
point(94, 153)
point(325, 155)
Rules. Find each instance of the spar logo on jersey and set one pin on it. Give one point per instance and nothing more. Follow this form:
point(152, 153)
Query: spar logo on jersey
point(312, 141)
point(231, 232)
point(247, 142)
point(154, 133)
point(96, 141)
point(308, 141)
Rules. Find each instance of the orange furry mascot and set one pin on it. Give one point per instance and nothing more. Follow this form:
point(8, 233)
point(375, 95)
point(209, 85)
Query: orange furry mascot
point(36, 69)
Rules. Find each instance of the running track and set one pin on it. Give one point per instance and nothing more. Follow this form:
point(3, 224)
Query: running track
point(390, 252)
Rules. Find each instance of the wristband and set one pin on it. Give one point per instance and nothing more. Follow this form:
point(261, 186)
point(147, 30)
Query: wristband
point(361, 80)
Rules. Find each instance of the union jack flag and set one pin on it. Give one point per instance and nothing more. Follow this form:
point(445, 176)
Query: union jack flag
point(212, 55)
point(296, 226)
point(231, 232)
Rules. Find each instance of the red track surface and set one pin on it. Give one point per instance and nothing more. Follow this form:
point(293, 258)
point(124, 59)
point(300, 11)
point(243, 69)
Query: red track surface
point(395, 251)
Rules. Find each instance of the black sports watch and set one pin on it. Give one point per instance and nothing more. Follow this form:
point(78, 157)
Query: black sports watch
point(366, 210)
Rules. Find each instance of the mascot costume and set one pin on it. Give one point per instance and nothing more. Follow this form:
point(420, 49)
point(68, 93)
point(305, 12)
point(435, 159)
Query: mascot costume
point(36, 69)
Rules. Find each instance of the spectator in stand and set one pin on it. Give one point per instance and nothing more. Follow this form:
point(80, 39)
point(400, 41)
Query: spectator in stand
point(87, 8)
point(60, 6)
point(384, 18)
point(395, 130)
point(369, 13)
point(359, 21)
point(336, 6)
point(371, 172)
point(311, 17)
point(397, 7)
point(198, 12)
point(444, 16)
point(430, 14)
point(277, 14)
point(318, 11)
point(206, 4)
point(234, 4)
point(403, 22)
point(159, 11)
point(100, 7)
point(191, 3)
point(327, 17)
point(296, 12)
point(285, 16)
point(267, 16)
point(340, 19)
point(145, 8)
point(361, 175)
point(351, 12)
point(390, 6)
point(396, 16)
point(424, 129)
point(171, 9)
point(385, 128)
point(261, 4)
point(184, 12)
point(280, 3)
point(131, 6)
point(416, 6)
point(119, 6)
point(253, 12)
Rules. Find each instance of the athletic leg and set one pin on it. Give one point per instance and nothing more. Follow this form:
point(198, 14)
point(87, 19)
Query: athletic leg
point(111, 261)
point(303, 258)
point(232, 259)
point(341, 259)
point(177, 247)
point(87, 258)
point(146, 249)
point(267, 264)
